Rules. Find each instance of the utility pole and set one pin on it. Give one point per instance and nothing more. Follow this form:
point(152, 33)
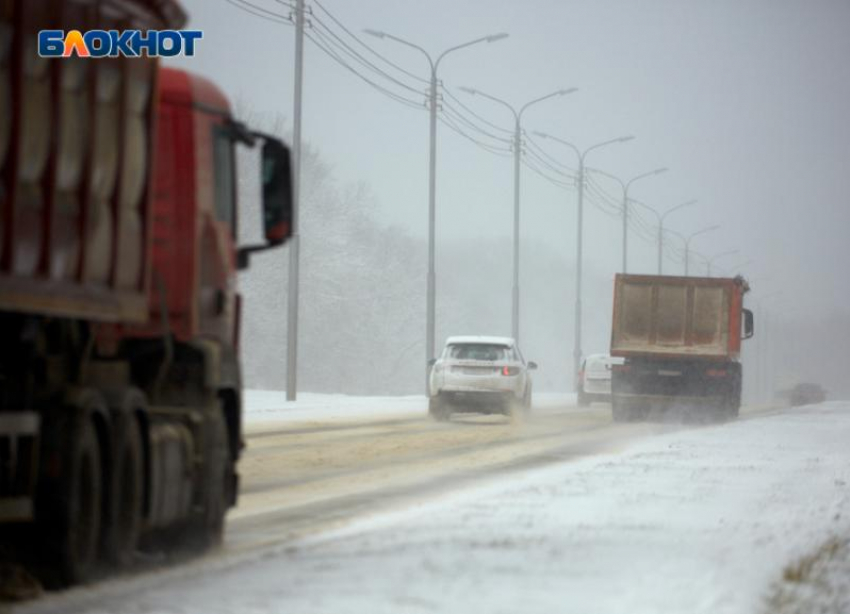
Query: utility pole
point(661, 230)
point(577, 351)
point(688, 245)
point(517, 158)
point(515, 284)
point(431, 286)
point(295, 240)
point(626, 187)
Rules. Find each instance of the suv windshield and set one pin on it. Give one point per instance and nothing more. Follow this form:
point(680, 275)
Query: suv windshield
point(478, 351)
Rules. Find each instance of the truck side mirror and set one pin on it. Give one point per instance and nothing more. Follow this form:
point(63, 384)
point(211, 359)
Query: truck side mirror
point(432, 362)
point(532, 365)
point(749, 327)
point(277, 191)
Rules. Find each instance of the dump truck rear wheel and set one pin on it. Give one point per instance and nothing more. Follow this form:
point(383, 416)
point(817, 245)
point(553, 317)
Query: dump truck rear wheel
point(125, 507)
point(72, 531)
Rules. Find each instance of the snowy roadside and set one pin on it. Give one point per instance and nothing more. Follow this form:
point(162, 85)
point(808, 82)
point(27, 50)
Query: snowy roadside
point(816, 582)
point(746, 517)
point(263, 406)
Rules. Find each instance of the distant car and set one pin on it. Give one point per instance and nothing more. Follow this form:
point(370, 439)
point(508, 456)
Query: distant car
point(594, 378)
point(480, 374)
point(806, 394)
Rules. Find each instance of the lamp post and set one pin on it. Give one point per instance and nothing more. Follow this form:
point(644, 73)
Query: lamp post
point(660, 217)
point(710, 261)
point(432, 180)
point(626, 187)
point(687, 241)
point(579, 239)
point(517, 155)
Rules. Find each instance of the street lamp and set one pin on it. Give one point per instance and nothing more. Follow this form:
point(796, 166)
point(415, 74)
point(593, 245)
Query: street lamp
point(432, 179)
point(687, 240)
point(660, 217)
point(624, 185)
point(579, 235)
point(710, 261)
point(517, 154)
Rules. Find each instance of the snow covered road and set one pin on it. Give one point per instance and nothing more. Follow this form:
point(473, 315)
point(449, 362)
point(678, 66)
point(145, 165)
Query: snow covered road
point(671, 519)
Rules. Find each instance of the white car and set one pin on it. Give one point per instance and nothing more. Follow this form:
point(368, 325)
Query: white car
point(594, 379)
point(479, 374)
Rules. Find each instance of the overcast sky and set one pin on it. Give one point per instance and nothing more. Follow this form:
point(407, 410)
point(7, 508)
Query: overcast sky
point(745, 101)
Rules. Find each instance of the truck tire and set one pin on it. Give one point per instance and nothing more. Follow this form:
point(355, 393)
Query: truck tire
point(206, 529)
point(71, 532)
point(731, 407)
point(124, 509)
point(621, 410)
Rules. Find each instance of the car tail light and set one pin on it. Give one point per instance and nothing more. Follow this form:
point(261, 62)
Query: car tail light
point(581, 376)
point(716, 372)
point(510, 371)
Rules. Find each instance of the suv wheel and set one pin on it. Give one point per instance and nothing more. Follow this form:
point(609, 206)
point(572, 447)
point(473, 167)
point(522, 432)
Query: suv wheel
point(438, 410)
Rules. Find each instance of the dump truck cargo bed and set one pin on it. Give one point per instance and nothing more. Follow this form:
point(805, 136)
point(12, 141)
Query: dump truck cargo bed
point(76, 147)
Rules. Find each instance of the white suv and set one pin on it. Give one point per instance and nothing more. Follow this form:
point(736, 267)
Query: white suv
point(479, 374)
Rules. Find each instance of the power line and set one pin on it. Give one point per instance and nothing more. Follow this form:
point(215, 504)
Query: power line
point(457, 114)
point(531, 142)
point(260, 12)
point(346, 48)
point(449, 123)
point(333, 55)
point(530, 164)
point(367, 47)
point(541, 160)
point(460, 103)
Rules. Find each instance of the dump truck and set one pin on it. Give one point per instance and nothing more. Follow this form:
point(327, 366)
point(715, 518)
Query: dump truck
point(120, 384)
point(680, 341)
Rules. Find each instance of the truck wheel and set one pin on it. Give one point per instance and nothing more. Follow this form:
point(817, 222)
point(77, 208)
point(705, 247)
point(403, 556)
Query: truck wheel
point(206, 529)
point(731, 407)
point(72, 528)
point(621, 411)
point(123, 523)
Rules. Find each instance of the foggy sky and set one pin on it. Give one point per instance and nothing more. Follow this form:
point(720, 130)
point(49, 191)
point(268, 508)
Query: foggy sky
point(745, 101)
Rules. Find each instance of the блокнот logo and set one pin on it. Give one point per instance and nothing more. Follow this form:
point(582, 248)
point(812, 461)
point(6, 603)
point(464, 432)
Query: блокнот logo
point(117, 43)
